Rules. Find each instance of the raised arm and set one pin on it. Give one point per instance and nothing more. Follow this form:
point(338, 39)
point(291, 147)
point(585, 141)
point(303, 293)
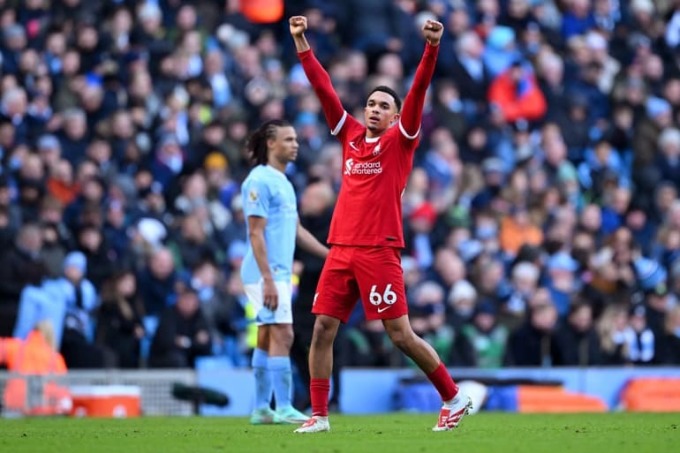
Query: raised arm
point(321, 82)
point(412, 111)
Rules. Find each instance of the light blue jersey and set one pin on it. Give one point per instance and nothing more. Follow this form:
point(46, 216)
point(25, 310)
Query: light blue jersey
point(267, 193)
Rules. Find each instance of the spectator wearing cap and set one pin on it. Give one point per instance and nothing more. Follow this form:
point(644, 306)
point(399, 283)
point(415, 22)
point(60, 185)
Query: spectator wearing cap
point(561, 280)
point(577, 339)
point(516, 93)
point(641, 343)
point(81, 300)
point(486, 336)
point(183, 334)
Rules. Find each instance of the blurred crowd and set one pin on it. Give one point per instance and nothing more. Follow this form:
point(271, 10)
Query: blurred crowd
point(542, 217)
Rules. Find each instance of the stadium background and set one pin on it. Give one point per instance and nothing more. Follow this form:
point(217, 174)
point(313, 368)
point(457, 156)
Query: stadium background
point(542, 217)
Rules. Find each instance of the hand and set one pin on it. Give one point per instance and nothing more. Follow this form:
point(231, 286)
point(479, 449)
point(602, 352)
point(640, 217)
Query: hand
point(202, 337)
point(270, 294)
point(183, 342)
point(298, 25)
point(432, 31)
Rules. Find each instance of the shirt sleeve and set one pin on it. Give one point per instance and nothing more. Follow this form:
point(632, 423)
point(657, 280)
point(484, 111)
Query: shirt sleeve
point(256, 196)
point(412, 111)
point(333, 110)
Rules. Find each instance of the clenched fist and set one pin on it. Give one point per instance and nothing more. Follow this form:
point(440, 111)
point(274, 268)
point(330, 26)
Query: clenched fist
point(432, 31)
point(298, 25)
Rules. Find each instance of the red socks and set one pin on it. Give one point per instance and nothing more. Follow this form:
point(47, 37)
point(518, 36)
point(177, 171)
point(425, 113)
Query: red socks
point(442, 381)
point(318, 392)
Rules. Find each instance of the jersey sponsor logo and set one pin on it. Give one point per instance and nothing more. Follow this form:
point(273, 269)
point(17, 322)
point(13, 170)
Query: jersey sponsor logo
point(349, 163)
point(362, 168)
point(353, 146)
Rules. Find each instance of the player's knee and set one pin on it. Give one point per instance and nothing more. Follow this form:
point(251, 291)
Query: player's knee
point(324, 330)
point(282, 336)
point(401, 338)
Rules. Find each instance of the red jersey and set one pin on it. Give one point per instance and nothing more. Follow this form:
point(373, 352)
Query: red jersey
point(375, 170)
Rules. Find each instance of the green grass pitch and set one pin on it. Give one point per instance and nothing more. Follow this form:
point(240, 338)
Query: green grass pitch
point(389, 433)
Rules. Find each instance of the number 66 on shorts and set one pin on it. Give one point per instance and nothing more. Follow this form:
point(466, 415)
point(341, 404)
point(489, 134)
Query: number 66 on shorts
point(370, 274)
point(388, 297)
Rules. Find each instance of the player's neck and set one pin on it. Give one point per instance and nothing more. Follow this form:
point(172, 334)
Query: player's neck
point(374, 134)
point(280, 166)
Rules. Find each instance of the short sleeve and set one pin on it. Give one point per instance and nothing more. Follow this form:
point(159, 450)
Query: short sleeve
point(256, 198)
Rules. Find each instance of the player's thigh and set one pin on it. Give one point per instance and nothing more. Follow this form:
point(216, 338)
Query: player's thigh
point(381, 282)
point(337, 292)
point(264, 316)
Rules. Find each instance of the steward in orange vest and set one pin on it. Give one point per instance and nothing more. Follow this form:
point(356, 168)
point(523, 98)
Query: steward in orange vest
point(29, 358)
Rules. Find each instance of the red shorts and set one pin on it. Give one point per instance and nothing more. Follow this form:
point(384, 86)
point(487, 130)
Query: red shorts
point(372, 274)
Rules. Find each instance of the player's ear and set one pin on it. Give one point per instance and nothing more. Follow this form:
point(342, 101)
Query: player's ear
point(394, 119)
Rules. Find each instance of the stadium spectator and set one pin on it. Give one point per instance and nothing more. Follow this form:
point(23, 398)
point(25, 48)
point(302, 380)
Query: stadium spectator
point(119, 322)
point(535, 342)
point(182, 334)
point(577, 338)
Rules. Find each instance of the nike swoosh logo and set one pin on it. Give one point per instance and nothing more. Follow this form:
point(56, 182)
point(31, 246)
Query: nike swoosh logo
point(382, 309)
point(353, 146)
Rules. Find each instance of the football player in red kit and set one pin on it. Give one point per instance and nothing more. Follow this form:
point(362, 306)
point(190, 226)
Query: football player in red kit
point(366, 232)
